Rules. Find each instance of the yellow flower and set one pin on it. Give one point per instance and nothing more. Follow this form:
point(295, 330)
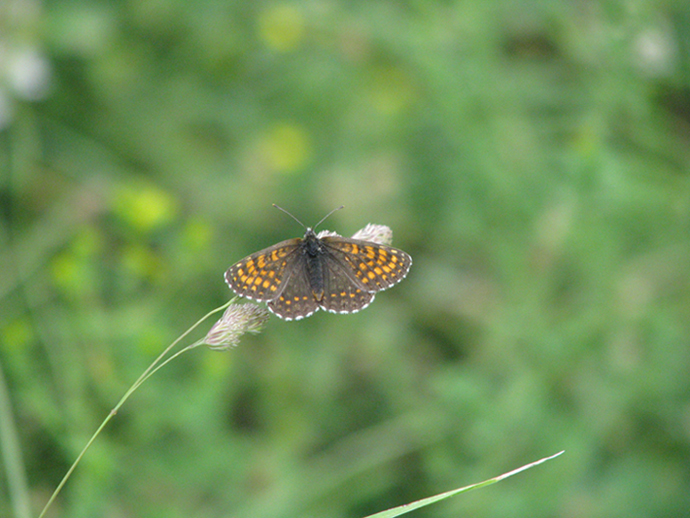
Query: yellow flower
point(286, 147)
point(145, 207)
point(281, 27)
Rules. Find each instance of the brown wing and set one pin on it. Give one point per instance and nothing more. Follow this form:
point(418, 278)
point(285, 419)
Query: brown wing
point(343, 293)
point(372, 267)
point(297, 298)
point(263, 275)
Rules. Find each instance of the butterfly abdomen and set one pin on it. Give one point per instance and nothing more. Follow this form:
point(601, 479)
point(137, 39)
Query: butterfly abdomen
point(315, 267)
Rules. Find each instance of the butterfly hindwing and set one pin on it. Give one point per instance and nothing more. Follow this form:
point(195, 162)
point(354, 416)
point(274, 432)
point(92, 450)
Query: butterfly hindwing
point(297, 298)
point(342, 292)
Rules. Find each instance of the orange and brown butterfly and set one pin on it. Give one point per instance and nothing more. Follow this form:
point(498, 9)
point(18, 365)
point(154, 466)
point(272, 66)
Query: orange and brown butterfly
point(326, 271)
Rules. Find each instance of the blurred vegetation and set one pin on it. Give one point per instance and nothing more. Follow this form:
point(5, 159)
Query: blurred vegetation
point(532, 156)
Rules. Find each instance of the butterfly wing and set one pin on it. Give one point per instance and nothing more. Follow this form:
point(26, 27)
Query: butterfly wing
point(343, 293)
point(296, 301)
point(370, 266)
point(264, 275)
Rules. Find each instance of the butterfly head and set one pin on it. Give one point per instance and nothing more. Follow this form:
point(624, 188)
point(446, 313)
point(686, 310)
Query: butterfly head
point(311, 243)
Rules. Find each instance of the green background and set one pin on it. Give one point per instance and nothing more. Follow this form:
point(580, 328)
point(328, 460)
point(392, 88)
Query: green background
point(532, 156)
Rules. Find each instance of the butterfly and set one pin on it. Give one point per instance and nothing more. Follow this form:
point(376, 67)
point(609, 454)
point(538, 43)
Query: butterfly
point(299, 276)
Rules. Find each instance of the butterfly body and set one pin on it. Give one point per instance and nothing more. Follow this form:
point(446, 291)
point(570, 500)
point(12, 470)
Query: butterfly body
point(300, 276)
point(312, 250)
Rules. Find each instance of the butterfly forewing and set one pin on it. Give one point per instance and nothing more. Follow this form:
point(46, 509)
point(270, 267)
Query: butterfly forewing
point(376, 267)
point(264, 275)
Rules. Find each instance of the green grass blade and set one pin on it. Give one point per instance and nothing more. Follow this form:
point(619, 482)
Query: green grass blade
point(17, 485)
point(404, 509)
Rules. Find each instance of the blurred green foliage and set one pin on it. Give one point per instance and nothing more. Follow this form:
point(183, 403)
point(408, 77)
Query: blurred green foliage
point(532, 156)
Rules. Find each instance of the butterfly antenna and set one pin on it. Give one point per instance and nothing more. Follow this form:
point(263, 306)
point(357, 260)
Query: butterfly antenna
point(322, 219)
point(286, 212)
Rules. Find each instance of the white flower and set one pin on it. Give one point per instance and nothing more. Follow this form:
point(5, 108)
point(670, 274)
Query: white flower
point(380, 234)
point(237, 320)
